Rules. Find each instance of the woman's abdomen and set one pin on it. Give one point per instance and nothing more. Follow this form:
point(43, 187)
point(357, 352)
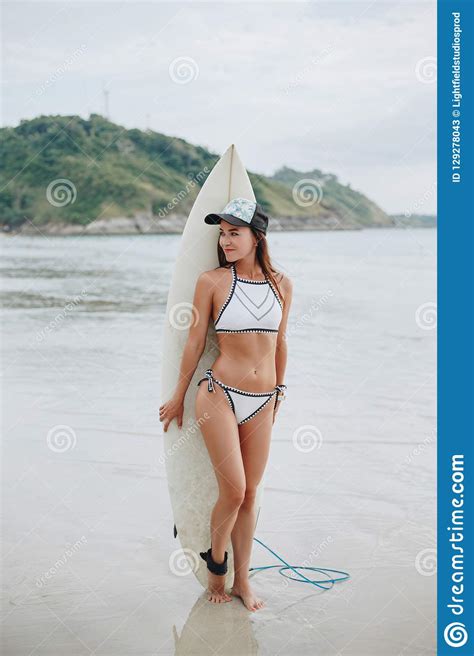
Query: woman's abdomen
point(247, 361)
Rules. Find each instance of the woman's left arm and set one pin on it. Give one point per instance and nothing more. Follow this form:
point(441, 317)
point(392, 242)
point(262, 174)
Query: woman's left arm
point(281, 352)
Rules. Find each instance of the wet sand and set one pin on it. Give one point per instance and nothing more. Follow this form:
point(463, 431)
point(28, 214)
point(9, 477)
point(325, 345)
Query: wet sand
point(87, 525)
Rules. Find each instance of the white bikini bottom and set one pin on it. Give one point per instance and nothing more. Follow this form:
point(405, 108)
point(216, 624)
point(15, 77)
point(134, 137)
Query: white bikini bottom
point(245, 405)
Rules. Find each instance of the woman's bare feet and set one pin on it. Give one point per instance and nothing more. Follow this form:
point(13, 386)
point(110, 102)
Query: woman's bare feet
point(215, 587)
point(245, 592)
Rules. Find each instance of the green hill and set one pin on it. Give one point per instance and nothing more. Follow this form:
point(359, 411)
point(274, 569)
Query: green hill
point(63, 170)
point(336, 199)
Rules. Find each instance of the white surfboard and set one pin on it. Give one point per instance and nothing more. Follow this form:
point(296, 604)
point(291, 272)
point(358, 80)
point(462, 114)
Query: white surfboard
point(191, 479)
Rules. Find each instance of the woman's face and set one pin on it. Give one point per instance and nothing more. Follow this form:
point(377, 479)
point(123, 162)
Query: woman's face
point(235, 241)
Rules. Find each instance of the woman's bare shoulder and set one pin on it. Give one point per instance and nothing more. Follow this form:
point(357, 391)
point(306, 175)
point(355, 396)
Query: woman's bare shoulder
point(213, 276)
point(284, 280)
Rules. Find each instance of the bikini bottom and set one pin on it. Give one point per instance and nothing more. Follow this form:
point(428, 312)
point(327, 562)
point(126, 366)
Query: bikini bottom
point(245, 405)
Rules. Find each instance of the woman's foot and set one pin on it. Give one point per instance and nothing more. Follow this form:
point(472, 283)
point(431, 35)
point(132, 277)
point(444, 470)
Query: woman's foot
point(215, 587)
point(245, 592)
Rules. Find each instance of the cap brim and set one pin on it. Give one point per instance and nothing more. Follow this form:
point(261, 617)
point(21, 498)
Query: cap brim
point(217, 218)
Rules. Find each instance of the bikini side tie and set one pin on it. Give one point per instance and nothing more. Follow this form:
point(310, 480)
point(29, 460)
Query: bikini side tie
point(280, 389)
point(210, 382)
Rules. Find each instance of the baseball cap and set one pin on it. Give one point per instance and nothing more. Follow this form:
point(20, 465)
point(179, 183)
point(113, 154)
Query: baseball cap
point(241, 212)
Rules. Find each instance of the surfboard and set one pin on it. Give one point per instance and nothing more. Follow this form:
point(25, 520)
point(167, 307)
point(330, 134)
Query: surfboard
point(191, 479)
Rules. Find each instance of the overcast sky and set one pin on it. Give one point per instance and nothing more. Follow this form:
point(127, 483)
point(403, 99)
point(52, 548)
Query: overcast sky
point(345, 87)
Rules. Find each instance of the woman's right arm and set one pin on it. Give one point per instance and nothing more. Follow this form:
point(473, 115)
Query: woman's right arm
point(201, 313)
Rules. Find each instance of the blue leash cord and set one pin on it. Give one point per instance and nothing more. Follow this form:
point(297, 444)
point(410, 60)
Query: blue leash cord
point(303, 579)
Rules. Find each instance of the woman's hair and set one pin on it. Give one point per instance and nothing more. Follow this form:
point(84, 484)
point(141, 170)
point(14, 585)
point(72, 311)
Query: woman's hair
point(263, 258)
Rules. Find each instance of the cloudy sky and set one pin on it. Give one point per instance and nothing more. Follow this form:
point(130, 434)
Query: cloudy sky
point(345, 87)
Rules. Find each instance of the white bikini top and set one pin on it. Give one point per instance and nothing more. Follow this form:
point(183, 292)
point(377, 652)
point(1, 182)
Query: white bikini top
point(252, 306)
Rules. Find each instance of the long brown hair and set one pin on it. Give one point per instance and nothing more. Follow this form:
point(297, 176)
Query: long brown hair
point(263, 257)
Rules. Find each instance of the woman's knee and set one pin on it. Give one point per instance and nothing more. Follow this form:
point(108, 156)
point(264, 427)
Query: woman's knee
point(250, 495)
point(232, 495)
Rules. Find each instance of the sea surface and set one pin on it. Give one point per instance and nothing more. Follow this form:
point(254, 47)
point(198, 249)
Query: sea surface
point(350, 484)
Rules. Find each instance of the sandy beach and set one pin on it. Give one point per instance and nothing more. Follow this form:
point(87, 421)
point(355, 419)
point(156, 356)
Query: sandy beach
point(350, 484)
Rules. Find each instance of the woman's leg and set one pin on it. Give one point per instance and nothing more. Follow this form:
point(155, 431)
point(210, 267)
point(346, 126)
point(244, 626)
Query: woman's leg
point(221, 437)
point(255, 438)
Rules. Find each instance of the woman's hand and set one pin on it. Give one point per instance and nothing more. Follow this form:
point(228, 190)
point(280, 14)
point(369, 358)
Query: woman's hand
point(171, 409)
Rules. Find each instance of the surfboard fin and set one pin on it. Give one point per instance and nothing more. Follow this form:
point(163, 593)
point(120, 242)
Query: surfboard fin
point(175, 531)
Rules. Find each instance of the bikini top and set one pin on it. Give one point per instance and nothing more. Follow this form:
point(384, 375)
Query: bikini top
point(252, 306)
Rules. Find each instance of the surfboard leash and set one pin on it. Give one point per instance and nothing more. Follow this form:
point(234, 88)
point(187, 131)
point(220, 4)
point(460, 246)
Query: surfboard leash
point(325, 584)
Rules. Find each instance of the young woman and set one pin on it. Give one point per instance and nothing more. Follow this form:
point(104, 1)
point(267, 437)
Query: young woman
point(249, 304)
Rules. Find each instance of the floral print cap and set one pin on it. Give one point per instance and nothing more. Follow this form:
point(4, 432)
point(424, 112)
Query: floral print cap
point(241, 208)
point(241, 212)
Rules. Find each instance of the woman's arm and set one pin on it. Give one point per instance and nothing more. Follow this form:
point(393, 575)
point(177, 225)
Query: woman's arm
point(201, 312)
point(281, 352)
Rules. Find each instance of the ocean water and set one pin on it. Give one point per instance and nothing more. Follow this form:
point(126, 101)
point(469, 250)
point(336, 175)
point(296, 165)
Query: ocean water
point(350, 484)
